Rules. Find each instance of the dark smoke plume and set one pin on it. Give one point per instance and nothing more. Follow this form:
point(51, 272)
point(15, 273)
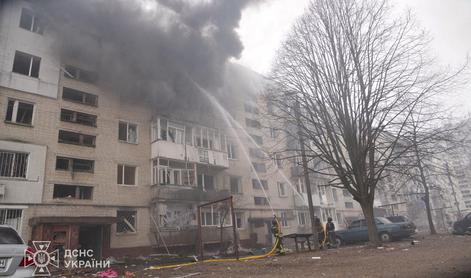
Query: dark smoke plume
point(145, 47)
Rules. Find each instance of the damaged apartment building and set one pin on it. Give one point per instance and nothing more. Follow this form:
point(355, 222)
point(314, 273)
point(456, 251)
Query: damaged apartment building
point(84, 167)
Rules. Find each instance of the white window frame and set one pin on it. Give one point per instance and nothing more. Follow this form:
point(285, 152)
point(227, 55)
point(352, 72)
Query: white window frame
point(302, 219)
point(239, 187)
point(31, 58)
point(33, 22)
point(127, 132)
point(231, 151)
point(14, 114)
point(284, 219)
point(179, 132)
point(122, 174)
point(300, 187)
point(282, 192)
point(212, 212)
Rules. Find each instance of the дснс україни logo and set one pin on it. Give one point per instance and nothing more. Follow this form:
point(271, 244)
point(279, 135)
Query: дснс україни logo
point(41, 258)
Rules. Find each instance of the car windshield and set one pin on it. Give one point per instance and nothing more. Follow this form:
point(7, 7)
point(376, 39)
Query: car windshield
point(9, 236)
point(382, 220)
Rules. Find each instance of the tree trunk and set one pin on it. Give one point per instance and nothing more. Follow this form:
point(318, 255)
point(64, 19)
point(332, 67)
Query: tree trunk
point(368, 212)
point(426, 199)
point(424, 183)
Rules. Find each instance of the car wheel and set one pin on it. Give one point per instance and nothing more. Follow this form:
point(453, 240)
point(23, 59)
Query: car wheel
point(339, 242)
point(385, 237)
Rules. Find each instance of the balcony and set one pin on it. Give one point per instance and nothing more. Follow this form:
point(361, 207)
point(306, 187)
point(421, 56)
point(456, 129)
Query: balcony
point(170, 150)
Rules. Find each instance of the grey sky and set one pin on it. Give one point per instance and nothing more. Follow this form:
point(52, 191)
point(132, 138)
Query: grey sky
point(263, 27)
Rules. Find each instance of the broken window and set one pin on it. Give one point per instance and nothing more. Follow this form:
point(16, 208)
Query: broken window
point(80, 74)
point(30, 21)
point(260, 201)
point(282, 192)
point(126, 174)
point(231, 151)
point(206, 182)
point(19, 112)
point(215, 216)
point(126, 221)
point(78, 117)
point(72, 192)
point(26, 64)
point(173, 173)
point(73, 95)
point(74, 164)
point(235, 185)
point(127, 132)
point(256, 184)
point(69, 137)
point(176, 133)
point(13, 164)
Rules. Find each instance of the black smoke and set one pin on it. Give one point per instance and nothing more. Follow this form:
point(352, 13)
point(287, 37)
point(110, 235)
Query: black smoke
point(148, 52)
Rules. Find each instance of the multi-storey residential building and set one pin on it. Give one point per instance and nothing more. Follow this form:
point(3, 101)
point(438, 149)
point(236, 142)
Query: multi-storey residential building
point(82, 165)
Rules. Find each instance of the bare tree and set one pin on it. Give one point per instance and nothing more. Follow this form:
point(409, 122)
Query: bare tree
point(431, 136)
point(353, 72)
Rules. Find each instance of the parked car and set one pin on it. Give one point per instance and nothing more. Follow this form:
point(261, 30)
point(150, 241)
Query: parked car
point(387, 230)
point(12, 251)
point(401, 219)
point(463, 226)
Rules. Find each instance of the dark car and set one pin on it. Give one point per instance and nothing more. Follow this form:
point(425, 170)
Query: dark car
point(463, 226)
point(387, 230)
point(401, 219)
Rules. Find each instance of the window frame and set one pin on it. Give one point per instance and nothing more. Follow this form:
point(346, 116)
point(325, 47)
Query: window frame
point(35, 27)
point(13, 165)
point(239, 187)
point(282, 185)
point(77, 192)
point(231, 151)
point(83, 96)
point(31, 58)
point(123, 174)
point(75, 116)
point(134, 225)
point(71, 163)
point(284, 219)
point(81, 139)
point(128, 123)
point(14, 114)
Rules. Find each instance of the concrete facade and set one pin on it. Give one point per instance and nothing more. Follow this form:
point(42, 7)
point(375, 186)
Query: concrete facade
point(84, 180)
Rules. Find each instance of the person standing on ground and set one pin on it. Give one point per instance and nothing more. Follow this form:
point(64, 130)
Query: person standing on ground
point(330, 227)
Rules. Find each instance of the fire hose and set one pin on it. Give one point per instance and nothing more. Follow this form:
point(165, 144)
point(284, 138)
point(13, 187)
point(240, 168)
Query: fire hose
point(272, 252)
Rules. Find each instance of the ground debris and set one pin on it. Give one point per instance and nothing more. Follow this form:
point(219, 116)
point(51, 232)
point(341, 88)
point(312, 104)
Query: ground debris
point(188, 275)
